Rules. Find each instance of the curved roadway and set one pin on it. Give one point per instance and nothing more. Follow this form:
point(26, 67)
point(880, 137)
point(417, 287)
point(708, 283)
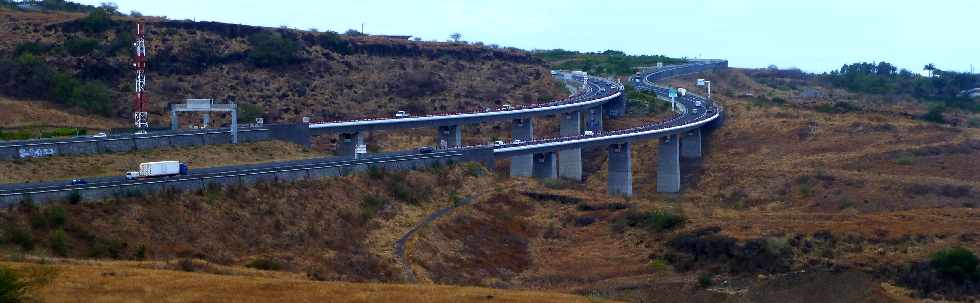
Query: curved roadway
point(598, 91)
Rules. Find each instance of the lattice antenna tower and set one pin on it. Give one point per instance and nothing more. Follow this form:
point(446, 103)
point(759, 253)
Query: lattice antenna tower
point(140, 115)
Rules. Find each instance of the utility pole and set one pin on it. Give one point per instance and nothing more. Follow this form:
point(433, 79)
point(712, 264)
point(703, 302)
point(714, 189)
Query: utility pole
point(140, 114)
point(362, 27)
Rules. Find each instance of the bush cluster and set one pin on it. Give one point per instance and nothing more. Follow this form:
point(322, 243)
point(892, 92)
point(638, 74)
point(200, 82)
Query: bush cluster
point(272, 49)
point(957, 263)
point(30, 76)
point(657, 221)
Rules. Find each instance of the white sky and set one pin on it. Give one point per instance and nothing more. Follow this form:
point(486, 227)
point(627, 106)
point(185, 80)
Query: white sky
point(815, 35)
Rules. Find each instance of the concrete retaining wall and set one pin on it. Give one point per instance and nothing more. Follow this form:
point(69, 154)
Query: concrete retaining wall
point(191, 183)
point(297, 133)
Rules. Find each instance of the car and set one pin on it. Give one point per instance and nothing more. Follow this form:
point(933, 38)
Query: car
point(588, 133)
point(517, 141)
point(698, 103)
point(426, 150)
point(78, 182)
point(99, 135)
point(507, 107)
point(498, 142)
point(401, 114)
point(140, 132)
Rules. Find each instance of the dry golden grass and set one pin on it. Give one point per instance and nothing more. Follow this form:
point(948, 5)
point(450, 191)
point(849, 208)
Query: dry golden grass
point(111, 282)
point(38, 113)
point(59, 168)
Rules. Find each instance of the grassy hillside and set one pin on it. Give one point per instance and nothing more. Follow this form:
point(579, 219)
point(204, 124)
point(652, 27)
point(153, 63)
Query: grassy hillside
point(83, 60)
point(145, 282)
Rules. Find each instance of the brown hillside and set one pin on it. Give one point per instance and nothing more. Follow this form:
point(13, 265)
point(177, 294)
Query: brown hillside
point(332, 77)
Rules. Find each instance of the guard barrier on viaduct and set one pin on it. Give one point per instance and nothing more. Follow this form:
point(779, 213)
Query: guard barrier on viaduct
point(679, 137)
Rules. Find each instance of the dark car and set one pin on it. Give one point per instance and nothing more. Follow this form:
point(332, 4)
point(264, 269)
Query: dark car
point(425, 150)
point(78, 182)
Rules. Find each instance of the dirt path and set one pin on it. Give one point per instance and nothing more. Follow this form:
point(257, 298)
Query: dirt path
point(407, 272)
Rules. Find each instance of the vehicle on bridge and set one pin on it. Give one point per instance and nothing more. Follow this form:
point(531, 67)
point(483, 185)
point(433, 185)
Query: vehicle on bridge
point(426, 150)
point(158, 169)
point(401, 114)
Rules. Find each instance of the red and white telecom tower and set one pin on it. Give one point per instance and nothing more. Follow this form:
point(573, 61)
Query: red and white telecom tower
point(140, 115)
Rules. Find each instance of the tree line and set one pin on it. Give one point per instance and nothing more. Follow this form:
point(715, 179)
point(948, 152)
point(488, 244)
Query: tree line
point(886, 79)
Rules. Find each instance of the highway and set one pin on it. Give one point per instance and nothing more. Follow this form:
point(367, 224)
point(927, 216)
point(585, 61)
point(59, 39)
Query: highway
point(598, 91)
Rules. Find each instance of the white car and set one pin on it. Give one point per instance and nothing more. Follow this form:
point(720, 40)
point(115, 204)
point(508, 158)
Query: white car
point(498, 142)
point(401, 114)
point(517, 141)
point(588, 133)
point(140, 132)
point(99, 135)
point(507, 107)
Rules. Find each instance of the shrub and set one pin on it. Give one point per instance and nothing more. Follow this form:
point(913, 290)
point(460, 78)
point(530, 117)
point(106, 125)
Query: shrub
point(50, 217)
point(370, 206)
point(584, 221)
point(658, 264)
point(96, 21)
point(776, 246)
point(955, 263)
point(92, 96)
point(705, 280)
point(654, 220)
point(935, 114)
point(81, 46)
point(58, 242)
point(552, 183)
point(265, 264)
point(904, 160)
point(272, 49)
point(13, 287)
point(74, 197)
point(20, 237)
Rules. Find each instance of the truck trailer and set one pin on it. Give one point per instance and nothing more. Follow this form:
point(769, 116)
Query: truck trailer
point(158, 169)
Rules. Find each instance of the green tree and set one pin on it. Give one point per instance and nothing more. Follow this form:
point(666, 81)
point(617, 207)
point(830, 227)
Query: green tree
point(956, 263)
point(272, 49)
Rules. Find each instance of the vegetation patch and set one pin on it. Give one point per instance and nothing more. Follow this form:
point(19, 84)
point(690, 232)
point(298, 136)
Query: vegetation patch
point(654, 221)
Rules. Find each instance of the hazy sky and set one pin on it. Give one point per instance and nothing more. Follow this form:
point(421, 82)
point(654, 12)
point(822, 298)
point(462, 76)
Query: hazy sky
point(815, 35)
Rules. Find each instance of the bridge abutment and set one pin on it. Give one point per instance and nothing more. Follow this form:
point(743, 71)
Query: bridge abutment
point(570, 160)
point(691, 144)
point(620, 181)
point(450, 136)
point(521, 129)
point(347, 143)
point(544, 166)
point(668, 167)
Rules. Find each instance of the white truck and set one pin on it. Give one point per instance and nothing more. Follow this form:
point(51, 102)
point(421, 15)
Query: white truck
point(682, 91)
point(158, 169)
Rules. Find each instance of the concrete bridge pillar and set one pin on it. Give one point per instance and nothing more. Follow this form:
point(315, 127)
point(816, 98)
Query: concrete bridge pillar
point(593, 119)
point(691, 144)
point(616, 107)
point(544, 166)
point(570, 160)
point(348, 142)
point(521, 129)
point(669, 168)
point(620, 170)
point(450, 136)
